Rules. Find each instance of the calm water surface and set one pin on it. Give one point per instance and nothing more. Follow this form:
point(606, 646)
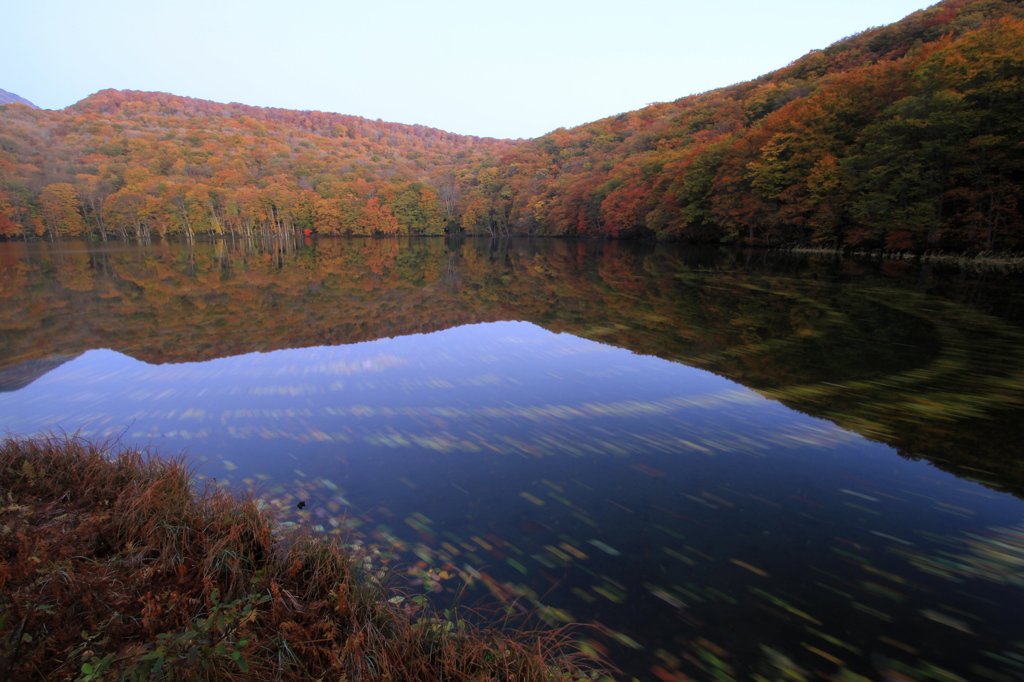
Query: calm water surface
point(725, 465)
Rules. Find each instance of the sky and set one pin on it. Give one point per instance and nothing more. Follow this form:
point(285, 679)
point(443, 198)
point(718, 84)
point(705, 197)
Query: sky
point(493, 69)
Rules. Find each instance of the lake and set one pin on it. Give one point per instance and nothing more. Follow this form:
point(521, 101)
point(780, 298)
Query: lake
point(722, 464)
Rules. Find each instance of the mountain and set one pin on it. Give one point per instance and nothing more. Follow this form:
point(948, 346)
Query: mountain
point(138, 164)
point(11, 98)
point(902, 137)
point(18, 376)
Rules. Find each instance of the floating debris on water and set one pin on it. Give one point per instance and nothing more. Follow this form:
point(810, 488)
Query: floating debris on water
point(605, 548)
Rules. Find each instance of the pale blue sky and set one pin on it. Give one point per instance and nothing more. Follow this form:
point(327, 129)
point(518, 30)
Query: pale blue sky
point(510, 69)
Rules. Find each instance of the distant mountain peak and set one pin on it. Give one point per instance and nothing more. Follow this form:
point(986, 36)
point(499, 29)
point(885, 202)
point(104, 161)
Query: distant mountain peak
point(11, 98)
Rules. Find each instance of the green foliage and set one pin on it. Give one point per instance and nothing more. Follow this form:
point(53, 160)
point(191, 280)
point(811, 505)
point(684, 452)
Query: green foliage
point(93, 670)
point(208, 643)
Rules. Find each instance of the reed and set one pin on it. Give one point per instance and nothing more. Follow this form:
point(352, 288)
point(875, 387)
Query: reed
point(116, 565)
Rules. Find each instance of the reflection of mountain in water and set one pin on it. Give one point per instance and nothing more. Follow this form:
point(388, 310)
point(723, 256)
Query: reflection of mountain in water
point(16, 377)
point(926, 364)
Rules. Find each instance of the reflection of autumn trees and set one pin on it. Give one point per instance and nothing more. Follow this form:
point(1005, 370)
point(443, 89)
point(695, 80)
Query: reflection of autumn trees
point(859, 344)
point(901, 137)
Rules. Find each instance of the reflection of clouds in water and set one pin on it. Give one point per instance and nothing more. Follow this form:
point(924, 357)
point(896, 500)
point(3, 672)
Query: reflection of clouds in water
point(289, 363)
point(291, 391)
point(198, 392)
point(378, 363)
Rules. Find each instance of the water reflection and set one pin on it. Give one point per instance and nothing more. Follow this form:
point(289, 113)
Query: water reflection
point(584, 432)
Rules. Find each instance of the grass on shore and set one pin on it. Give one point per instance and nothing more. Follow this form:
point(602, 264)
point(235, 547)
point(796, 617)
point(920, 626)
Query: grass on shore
point(116, 566)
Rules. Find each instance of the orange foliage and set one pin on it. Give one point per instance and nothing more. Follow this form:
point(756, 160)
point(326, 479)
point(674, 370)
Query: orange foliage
point(904, 136)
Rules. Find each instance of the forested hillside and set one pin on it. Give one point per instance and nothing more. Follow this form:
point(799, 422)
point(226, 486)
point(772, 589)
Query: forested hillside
point(908, 136)
point(137, 164)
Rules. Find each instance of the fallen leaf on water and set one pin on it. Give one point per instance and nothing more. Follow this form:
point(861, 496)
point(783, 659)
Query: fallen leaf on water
point(898, 644)
point(605, 548)
point(531, 498)
point(649, 470)
point(827, 656)
point(668, 598)
point(946, 620)
point(752, 569)
point(572, 550)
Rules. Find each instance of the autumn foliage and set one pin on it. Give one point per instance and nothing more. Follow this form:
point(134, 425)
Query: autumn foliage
point(137, 165)
point(903, 137)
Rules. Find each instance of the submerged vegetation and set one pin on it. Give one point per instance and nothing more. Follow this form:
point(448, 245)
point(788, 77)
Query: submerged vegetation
point(903, 137)
point(115, 565)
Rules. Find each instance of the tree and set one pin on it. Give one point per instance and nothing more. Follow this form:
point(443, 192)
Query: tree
point(377, 219)
point(8, 228)
point(60, 206)
point(94, 190)
point(415, 206)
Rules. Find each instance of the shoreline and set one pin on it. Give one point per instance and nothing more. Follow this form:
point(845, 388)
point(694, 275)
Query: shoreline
point(1010, 261)
point(1007, 262)
point(116, 564)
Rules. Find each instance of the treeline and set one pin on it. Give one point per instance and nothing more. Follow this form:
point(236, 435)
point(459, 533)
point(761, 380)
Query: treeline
point(136, 164)
point(905, 137)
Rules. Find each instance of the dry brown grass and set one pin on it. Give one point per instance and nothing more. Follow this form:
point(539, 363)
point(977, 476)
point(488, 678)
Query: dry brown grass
point(116, 566)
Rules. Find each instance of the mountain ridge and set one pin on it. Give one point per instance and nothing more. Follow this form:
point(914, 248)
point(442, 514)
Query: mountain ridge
point(11, 98)
point(109, 100)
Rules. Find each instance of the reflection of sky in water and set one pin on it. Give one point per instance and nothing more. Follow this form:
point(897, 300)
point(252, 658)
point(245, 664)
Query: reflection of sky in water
point(661, 501)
